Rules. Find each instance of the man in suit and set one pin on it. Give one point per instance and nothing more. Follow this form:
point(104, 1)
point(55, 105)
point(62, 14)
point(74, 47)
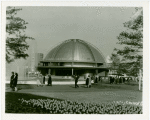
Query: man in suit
point(100, 78)
point(77, 78)
point(96, 79)
point(44, 79)
point(11, 80)
point(49, 80)
point(110, 79)
point(89, 81)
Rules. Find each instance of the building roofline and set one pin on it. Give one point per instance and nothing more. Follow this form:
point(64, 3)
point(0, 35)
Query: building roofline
point(103, 68)
point(69, 61)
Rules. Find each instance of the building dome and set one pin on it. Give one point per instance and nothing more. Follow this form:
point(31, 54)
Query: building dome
point(75, 50)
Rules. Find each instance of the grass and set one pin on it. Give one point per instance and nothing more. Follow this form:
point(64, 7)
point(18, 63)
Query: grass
point(101, 93)
point(96, 94)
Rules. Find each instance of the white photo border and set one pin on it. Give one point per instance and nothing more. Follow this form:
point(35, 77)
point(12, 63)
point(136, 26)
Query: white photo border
point(143, 4)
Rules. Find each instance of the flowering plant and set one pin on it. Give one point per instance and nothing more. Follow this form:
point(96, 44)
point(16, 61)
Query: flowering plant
point(53, 106)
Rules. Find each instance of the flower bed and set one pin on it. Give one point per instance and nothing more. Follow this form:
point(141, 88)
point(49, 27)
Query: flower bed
point(52, 106)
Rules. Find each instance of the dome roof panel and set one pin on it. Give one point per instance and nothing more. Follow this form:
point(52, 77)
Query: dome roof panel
point(75, 50)
point(65, 51)
point(82, 52)
point(98, 58)
point(51, 54)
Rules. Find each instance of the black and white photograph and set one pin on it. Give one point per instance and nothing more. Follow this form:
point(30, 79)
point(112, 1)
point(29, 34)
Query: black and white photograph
point(74, 60)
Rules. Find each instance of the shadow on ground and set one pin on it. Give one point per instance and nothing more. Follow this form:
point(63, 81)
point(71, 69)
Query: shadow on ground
point(12, 100)
point(23, 86)
point(14, 96)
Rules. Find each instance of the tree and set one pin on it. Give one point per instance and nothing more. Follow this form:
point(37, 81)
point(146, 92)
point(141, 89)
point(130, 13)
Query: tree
point(115, 64)
point(16, 44)
point(132, 41)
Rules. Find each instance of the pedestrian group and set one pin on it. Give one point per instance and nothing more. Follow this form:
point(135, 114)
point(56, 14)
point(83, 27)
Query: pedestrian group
point(13, 81)
point(49, 83)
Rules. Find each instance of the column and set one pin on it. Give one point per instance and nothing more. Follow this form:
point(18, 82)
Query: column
point(72, 71)
point(96, 71)
point(72, 68)
point(96, 65)
point(49, 71)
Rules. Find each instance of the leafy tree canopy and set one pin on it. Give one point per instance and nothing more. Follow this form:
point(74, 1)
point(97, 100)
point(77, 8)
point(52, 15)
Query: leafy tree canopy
point(132, 41)
point(16, 44)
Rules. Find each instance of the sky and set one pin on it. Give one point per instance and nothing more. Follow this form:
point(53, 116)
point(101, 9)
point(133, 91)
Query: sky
point(98, 25)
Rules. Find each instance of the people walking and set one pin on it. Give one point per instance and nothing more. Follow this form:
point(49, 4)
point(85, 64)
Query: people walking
point(49, 80)
point(88, 81)
point(15, 81)
point(11, 80)
point(44, 79)
point(123, 80)
point(38, 81)
point(111, 79)
point(74, 76)
point(77, 78)
point(99, 78)
point(96, 79)
point(76, 81)
point(120, 80)
point(116, 80)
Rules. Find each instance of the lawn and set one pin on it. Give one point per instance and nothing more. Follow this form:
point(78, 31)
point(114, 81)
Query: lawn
point(97, 94)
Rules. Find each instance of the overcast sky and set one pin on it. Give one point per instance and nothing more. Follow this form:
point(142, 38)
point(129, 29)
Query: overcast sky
point(97, 25)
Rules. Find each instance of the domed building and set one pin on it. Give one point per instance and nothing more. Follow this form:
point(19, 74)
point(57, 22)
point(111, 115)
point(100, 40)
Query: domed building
point(72, 57)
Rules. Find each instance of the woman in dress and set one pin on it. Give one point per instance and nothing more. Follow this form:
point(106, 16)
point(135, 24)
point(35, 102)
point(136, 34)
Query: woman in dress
point(88, 81)
point(38, 81)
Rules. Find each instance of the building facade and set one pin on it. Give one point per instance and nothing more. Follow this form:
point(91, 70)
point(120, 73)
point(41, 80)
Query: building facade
point(73, 56)
point(39, 57)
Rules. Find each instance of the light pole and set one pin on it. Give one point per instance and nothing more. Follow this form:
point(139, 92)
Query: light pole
point(140, 74)
point(139, 79)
